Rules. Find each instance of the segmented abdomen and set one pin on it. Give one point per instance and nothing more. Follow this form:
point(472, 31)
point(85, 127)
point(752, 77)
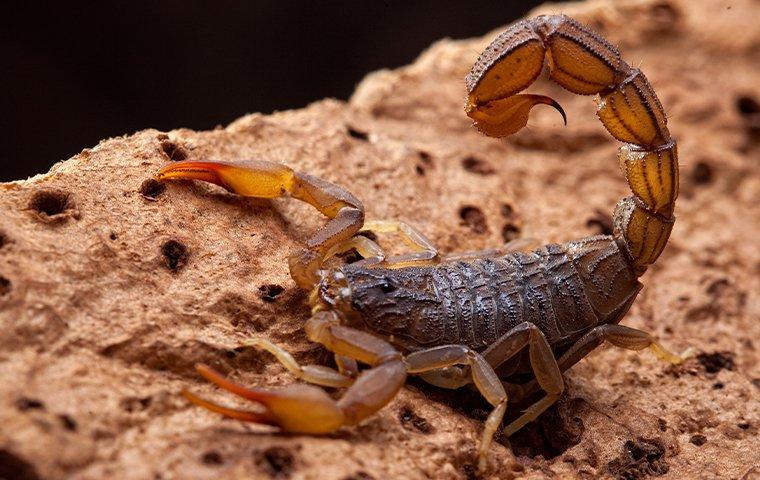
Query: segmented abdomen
point(563, 289)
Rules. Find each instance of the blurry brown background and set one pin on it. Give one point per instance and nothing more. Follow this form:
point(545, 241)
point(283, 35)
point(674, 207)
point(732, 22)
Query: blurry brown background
point(75, 74)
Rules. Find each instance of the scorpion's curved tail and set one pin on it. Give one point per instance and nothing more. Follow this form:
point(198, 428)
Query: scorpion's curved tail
point(584, 63)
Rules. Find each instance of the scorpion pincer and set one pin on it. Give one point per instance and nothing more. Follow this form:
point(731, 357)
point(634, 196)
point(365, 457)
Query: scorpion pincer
point(492, 319)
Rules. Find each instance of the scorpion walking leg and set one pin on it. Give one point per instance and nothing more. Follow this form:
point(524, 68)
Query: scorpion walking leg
point(347, 366)
point(373, 255)
point(483, 376)
point(618, 335)
point(370, 251)
point(424, 252)
point(545, 368)
point(263, 179)
point(516, 245)
point(317, 374)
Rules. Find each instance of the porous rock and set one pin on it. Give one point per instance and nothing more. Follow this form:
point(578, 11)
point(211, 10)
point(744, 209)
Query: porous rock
point(112, 287)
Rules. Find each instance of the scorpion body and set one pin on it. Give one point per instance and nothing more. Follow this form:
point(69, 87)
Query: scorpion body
point(508, 323)
point(564, 290)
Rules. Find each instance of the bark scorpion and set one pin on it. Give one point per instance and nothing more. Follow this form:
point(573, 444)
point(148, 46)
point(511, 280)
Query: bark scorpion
point(505, 321)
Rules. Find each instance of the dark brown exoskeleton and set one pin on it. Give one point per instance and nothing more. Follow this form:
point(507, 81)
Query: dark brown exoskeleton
point(483, 318)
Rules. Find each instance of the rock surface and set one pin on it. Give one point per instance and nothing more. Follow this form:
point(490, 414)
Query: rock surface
point(112, 286)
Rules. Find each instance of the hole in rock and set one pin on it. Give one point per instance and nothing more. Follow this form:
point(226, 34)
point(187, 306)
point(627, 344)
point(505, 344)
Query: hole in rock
point(473, 218)
point(175, 255)
point(174, 152)
point(152, 188)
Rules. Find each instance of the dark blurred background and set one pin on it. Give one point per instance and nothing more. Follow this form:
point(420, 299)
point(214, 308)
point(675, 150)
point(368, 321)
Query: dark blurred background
point(74, 74)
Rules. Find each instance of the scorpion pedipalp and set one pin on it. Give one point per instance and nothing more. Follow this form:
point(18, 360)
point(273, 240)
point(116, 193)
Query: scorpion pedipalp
point(293, 408)
point(262, 179)
point(302, 408)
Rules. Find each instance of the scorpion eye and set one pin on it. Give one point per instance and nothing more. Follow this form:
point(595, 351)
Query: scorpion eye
point(387, 287)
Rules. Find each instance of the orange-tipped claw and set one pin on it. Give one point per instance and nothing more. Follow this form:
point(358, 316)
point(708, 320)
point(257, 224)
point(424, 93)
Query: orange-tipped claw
point(243, 415)
point(294, 408)
point(263, 179)
point(505, 116)
point(189, 170)
point(250, 178)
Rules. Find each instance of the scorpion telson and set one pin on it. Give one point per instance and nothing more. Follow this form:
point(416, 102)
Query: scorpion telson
point(490, 318)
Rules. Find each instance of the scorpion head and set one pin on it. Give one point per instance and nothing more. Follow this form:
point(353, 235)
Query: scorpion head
point(332, 291)
point(398, 302)
point(358, 290)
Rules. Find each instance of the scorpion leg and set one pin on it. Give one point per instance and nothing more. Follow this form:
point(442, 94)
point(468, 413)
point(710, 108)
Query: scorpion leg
point(347, 366)
point(263, 179)
point(317, 374)
point(516, 245)
point(423, 250)
point(448, 377)
point(301, 408)
point(545, 368)
point(483, 376)
point(618, 335)
point(425, 253)
point(370, 251)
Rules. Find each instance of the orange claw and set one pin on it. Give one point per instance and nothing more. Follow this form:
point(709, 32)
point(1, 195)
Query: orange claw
point(505, 116)
point(251, 178)
point(246, 416)
point(262, 179)
point(295, 408)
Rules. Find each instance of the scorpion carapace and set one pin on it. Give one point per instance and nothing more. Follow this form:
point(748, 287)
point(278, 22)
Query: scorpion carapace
point(499, 320)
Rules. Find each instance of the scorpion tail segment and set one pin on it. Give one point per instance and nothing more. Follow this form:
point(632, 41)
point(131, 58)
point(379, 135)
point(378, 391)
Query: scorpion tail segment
point(505, 116)
point(644, 221)
point(579, 59)
point(632, 113)
point(652, 176)
point(508, 65)
point(644, 233)
point(295, 408)
point(584, 63)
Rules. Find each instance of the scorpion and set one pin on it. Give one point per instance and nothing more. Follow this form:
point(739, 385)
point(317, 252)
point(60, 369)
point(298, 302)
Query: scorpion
point(503, 320)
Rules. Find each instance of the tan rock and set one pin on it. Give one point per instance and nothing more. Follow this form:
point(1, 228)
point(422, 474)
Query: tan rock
point(112, 287)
